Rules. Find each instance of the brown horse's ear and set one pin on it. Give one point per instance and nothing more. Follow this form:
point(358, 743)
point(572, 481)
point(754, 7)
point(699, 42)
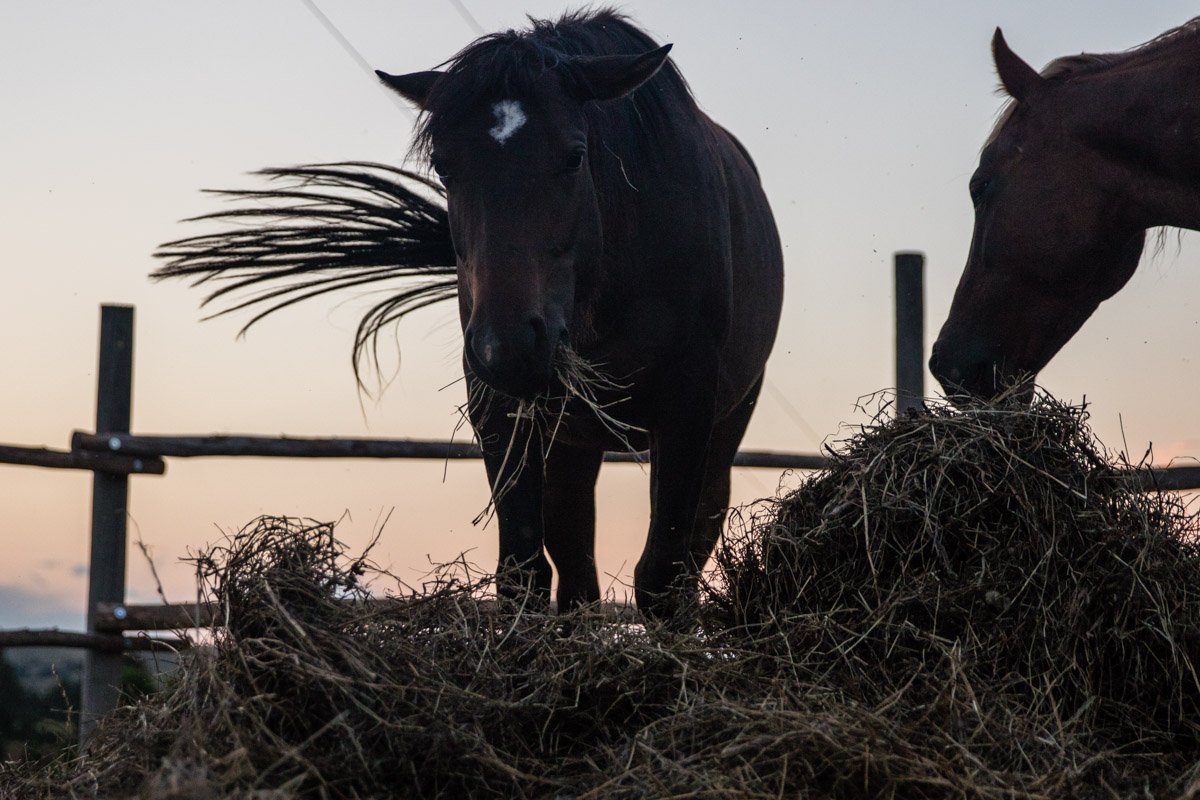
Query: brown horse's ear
point(413, 87)
point(1018, 78)
point(610, 77)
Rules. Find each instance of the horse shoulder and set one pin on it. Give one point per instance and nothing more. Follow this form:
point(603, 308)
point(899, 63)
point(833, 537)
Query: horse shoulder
point(738, 147)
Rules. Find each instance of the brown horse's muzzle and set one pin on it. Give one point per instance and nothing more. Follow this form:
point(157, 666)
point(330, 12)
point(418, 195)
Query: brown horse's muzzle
point(972, 372)
point(957, 371)
point(517, 359)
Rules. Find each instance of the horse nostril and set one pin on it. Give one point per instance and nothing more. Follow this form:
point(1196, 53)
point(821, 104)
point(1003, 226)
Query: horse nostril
point(938, 367)
point(549, 339)
point(537, 327)
point(950, 371)
point(516, 358)
point(484, 346)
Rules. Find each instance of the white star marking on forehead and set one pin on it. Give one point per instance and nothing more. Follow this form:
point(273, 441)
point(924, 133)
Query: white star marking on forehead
point(509, 119)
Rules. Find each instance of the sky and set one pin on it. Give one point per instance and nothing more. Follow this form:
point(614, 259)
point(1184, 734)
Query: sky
point(865, 119)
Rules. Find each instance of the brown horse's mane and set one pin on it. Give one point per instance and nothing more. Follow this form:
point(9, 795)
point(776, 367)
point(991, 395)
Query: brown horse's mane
point(510, 61)
point(1065, 68)
point(1090, 63)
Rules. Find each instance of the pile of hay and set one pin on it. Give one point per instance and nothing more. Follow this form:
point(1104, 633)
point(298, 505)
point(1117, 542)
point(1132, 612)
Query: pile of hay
point(996, 591)
point(965, 605)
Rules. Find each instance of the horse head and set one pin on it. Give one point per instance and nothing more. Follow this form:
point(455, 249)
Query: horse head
point(1056, 232)
point(511, 146)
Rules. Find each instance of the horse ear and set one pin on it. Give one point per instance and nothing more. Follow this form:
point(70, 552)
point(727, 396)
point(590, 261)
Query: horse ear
point(610, 77)
point(1018, 78)
point(413, 87)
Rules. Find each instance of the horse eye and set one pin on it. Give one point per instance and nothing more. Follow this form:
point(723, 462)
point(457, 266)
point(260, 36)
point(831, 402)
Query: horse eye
point(978, 187)
point(575, 163)
point(440, 170)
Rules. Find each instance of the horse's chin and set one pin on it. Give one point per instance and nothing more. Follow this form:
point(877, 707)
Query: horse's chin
point(525, 391)
point(523, 383)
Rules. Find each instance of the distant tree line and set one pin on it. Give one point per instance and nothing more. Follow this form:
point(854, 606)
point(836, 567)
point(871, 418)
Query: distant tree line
point(35, 725)
point(32, 724)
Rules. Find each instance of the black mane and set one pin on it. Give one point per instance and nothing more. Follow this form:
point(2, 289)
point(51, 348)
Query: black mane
point(509, 62)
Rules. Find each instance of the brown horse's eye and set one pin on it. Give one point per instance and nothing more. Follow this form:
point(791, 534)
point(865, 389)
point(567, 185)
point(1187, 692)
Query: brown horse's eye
point(978, 188)
point(575, 162)
point(440, 170)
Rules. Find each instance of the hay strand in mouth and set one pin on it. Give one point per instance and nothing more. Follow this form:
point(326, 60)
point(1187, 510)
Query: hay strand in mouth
point(586, 383)
point(578, 382)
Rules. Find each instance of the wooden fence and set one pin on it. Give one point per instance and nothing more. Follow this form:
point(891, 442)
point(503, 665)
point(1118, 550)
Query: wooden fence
point(112, 454)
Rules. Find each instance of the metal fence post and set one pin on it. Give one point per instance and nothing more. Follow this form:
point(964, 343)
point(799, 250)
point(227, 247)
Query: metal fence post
point(910, 330)
point(110, 498)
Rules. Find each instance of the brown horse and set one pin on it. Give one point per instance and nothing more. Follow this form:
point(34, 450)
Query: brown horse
point(1089, 154)
point(618, 272)
point(619, 282)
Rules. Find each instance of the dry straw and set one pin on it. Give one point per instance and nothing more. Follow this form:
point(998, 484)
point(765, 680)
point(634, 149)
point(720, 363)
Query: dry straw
point(967, 604)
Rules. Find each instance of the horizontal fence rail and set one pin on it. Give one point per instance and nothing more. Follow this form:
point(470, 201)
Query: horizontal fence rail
point(119, 617)
point(105, 461)
point(1165, 479)
point(125, 453)
point(299, 447)
point(151, 447)
point(104, 642)
point(269, 447)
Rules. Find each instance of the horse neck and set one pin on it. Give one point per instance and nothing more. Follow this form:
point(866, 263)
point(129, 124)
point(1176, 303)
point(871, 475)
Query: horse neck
point(647, 169)
point(1151, 124)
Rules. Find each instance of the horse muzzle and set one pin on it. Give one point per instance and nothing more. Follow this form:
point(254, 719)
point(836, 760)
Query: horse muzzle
point(969, 373)
point(518, 360)
point(951, 372)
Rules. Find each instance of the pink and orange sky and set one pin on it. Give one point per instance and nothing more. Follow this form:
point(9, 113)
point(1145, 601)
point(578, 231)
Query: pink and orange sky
point(865, 120)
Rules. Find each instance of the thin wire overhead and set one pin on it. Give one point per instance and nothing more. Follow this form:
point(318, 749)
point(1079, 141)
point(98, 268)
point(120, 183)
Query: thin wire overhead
point(333, 31)
point(466, 15)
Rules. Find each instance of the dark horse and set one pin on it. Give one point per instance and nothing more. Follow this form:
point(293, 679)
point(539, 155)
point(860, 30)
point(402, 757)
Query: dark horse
point(619, 279)
point(1089, 154)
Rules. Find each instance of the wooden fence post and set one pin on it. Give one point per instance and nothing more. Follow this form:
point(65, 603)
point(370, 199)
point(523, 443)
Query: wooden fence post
point(910, 330)
point(110, 498)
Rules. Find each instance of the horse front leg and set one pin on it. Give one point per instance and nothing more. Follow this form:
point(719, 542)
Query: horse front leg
point(664, 579)
point(569, 507)
point(512, 456)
